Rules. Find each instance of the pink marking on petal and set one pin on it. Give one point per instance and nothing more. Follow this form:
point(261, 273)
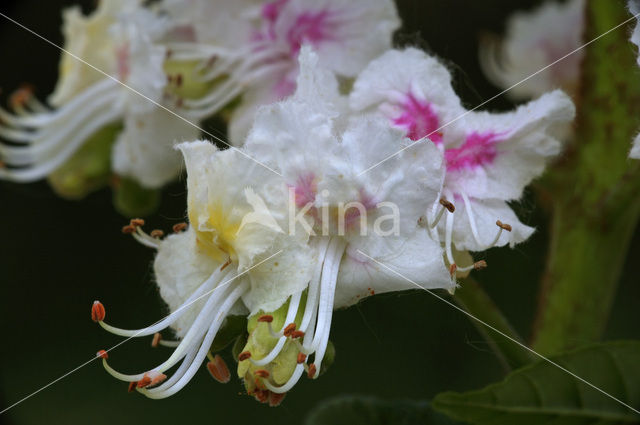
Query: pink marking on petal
point(305, 190)
point(418, 119)
point(478, 150)
point(123, 58)
point(310, 27)
point(271, 10)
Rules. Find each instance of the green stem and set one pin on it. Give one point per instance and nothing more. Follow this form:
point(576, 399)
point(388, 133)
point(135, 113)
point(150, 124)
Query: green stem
point(475, 300)
point(595, 191)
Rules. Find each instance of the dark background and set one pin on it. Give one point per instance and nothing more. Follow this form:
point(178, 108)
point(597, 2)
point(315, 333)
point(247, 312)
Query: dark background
point(57, 256)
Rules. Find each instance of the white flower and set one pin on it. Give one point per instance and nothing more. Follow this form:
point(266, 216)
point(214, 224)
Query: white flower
point(489, 158)
point(321, 165)
point(262, 65)
point(534, 40)
point(121, 38)
point(234, 254)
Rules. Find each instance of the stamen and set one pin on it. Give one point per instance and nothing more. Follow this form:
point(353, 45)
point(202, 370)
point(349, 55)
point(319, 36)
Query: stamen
point(157, 233)
point(179, 227)
point(452, 269)
point(311, 371)
point(262, 373)
point(448, 205)
point(244, 356)
point(301, 358)
point(157, 337)
point(261, 395)
point(267, 318)
point(219, 370)
point(136, 222)
point(478, 265)
point(291, 327)
point(97, 312)
point(503, 226)
point(128, 229)
point(275, 399)
point(225, 265)
point(132, 386)
point(151, 379)
point(297, 334)
point(102, 354)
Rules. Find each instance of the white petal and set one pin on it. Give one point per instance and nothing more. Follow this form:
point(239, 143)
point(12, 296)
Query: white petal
point(416, 262)
point(524, 142)
point(180, 268)
point(144, 150)
point(635, 149)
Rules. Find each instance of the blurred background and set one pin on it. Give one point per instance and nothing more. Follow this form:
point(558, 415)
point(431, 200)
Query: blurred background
point(57, 257)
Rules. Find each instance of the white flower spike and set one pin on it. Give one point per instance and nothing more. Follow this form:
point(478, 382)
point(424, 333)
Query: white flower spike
point(534, 40)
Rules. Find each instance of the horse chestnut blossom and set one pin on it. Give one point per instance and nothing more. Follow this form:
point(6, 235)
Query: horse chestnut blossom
point(257, 60)
point(489, 158)
point(534, 40)
point(121, 39)
point(296, 243)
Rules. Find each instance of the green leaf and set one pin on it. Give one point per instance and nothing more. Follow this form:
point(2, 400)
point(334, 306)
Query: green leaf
point(542, 393)
point(362, 410)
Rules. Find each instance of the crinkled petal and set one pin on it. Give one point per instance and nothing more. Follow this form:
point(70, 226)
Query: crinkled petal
point(415, 262)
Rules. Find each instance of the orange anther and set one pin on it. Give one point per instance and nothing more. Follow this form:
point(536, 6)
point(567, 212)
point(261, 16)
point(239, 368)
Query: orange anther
point(261, 395)
point(157, 337)
point(275, 399)
point(136, 222)
point(132, 386)
point(261, 373)
point(219, 370)
point(312, 371)
point(301, 358)
point(102, 354)
point(244, 356)
point(452, 269)
point(97, 312)
point(128, 229)
point(503, 226)
point(267, 318)
point(177, 228)
point(150, 379)
point(21, 96)
point(157, 233)
point(289, 329)
point(448, 205)
point(479, 265)
point(297, 334)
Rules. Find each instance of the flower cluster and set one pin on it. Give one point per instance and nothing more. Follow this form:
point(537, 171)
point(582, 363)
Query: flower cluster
point(136, 77)
point(335, 195)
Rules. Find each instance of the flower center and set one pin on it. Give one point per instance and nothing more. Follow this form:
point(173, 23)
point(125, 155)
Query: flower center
point(478, 149)
point(418, 119)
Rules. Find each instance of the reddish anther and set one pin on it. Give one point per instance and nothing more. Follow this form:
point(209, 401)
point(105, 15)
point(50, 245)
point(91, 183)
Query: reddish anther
point(448, 205)
point(302, 358)
point(150, 379)
point(275, 399)
point(297, 334)
point(266, 318)
point(289, 329)
point(136, 222)
point(132, 386)
point(262, 395)
point(311, 373)
point(219, 370)
point(503, 226)
point(244, 356)
point(97, 312)
point(452, 269)
point(479, 265)
point(157, 337)
point(102, 354)
point(157, 233)
point(128, 229)
point(261, 373)
point(180, 227)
